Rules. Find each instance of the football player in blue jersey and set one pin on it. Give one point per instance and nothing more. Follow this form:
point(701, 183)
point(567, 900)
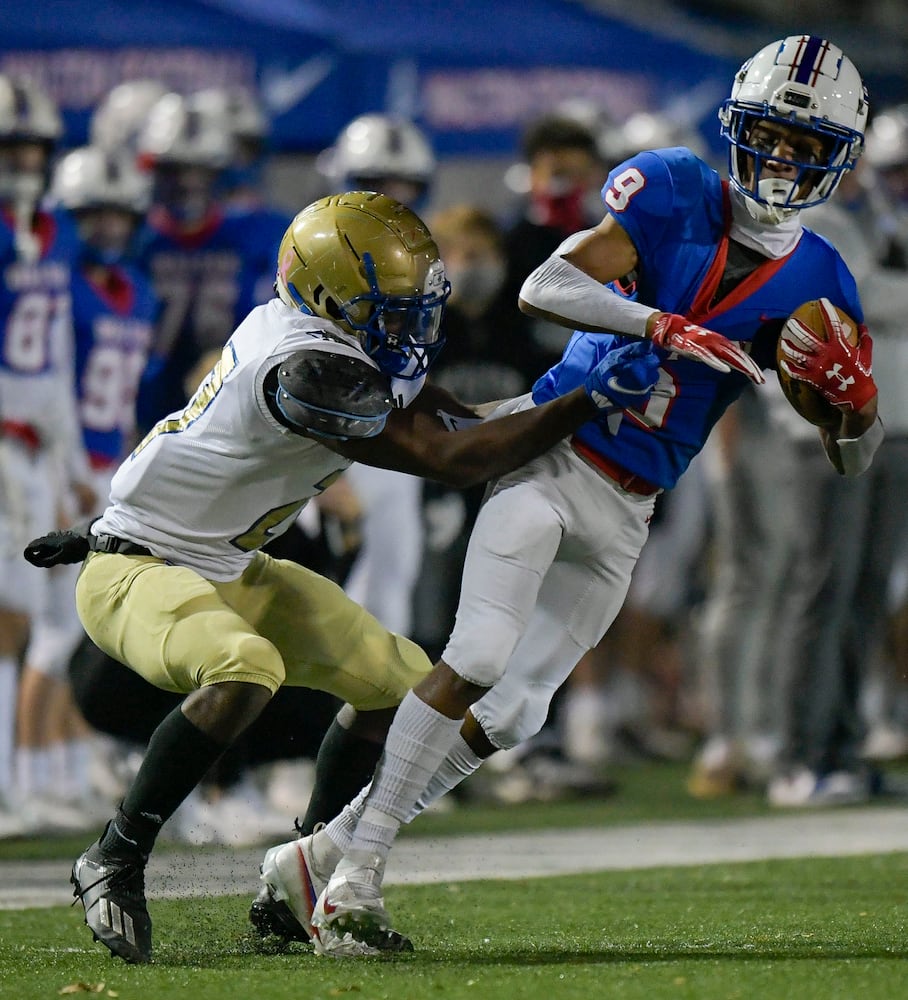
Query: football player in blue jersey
point(38, 423)
point(114, 311)
point(210, 263)
point(719, 267)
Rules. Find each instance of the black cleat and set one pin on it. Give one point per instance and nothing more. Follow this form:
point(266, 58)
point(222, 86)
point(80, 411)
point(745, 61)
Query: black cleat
point(270, 916)
point(112, 892)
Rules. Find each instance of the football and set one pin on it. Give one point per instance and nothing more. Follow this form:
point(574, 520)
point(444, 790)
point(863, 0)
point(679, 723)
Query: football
point(809, 403)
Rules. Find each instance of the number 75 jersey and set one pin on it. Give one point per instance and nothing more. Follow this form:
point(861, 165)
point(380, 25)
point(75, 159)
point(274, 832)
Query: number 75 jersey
point(678, 213)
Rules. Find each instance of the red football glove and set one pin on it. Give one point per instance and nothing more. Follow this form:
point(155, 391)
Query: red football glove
point(675, 333)
point(839, 370)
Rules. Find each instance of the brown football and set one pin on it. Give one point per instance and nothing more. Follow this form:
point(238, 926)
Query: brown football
point(809, 403)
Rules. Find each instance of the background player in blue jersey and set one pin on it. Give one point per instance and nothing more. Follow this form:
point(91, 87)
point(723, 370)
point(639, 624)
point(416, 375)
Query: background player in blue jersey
point(210, 263)
point(718, 268)
point(39, 439)
point(113, 314)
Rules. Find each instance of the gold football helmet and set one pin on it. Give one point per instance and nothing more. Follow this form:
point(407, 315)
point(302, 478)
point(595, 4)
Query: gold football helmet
point(369, 264)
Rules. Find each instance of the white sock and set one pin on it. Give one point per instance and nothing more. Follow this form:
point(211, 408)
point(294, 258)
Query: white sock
point(418, 741)
point(460, 763)
point(339, 832)
point(9, 679)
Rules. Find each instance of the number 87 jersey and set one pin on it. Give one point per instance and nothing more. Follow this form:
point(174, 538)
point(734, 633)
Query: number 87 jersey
point(683, 220)
point(37, 384)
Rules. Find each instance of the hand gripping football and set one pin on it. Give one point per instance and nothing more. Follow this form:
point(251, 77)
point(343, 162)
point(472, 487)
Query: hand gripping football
point(808, 401)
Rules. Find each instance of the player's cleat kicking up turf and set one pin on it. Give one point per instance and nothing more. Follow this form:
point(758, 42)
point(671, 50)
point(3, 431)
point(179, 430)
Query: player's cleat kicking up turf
point(350, 916)
point(293, 883)
point(112, 892)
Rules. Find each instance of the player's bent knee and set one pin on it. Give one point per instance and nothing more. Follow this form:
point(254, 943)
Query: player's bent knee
point(246, 658)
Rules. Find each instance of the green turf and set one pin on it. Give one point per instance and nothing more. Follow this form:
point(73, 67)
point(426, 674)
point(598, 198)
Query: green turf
point(829, 929)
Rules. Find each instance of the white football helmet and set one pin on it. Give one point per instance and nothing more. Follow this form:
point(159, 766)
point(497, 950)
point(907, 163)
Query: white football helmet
point(91, 177)
point(244, 112)
point(117, 121)
point(645, 130)
point(375, 151)
point(187, 131)
point(887, 138)
point(803, 81)
point(27, 116)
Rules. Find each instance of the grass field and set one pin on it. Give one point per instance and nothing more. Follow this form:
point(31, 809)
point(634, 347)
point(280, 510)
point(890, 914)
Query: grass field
point(820, 929)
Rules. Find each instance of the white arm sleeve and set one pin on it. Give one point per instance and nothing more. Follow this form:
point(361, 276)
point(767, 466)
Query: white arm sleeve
point(857, 453)
point(568, 295)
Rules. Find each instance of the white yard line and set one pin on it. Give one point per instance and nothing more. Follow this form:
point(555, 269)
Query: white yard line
point(515, 855)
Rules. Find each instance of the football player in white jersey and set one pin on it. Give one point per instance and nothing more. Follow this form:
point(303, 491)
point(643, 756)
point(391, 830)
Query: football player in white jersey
point(174, 584)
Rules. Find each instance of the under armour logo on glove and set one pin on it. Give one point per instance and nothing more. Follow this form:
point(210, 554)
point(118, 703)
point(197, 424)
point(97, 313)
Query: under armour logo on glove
point(841, 371)
point(836, 372)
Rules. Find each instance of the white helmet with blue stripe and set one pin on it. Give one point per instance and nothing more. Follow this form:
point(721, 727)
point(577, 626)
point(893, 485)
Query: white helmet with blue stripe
point(805, 83)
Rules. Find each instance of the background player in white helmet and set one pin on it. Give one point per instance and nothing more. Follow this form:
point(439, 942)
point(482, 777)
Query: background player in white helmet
point(390, 154)
point(39, 442)
point(209, 265)
point(241, 183)
point(174, 583)
point(118, 120)
point(382, 152)
point(114, 310)
point(554, 546)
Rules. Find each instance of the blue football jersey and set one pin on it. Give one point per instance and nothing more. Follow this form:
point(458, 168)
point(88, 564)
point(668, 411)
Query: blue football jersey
point(36, 320)
point(207, 282)
point(113, 325)
point(677, 212)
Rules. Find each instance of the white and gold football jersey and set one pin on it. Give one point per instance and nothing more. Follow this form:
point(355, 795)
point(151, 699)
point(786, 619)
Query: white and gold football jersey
point(211, 484)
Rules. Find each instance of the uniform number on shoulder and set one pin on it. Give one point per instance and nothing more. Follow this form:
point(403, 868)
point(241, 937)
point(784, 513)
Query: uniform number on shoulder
point(623, 188)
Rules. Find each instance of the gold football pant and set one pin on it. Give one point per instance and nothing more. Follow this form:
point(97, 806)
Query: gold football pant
point(279, 623)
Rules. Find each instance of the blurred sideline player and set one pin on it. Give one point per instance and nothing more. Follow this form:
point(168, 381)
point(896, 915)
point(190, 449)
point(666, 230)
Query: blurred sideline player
point(842, 602)
point(173, 581)
point(240, 185)
point(41, 454)
point(557, 183)
point(114, 310)
point(391, 155)
point(554, 545)
point(209, 263)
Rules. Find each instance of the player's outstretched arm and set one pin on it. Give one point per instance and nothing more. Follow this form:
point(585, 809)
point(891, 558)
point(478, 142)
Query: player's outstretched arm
point(418, 441)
